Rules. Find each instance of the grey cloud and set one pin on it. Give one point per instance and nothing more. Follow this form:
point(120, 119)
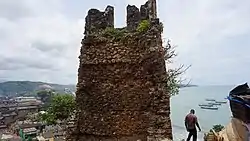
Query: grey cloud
point(36, 42)
point(9, 66)
point(18, 63)
point(3, 34)
point(43, 64)
point(14, 9)
point(54, 50)
point(37, 75)
point(48, 47)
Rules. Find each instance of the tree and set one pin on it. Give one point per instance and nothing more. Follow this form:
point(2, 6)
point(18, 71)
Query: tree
point(49, 118)
point(45, 96)
point(61, 107)
point(173, 80)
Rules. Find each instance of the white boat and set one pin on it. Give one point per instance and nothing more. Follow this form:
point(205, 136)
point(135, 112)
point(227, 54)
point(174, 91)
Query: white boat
point(221, 102)
point(209, 108)
point(215, 103)
point(206, 105)
point(207, 99)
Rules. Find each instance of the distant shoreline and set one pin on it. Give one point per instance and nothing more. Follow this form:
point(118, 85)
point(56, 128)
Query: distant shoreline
point(183, 85)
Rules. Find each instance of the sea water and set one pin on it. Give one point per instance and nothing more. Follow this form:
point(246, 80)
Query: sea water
point(190, 98)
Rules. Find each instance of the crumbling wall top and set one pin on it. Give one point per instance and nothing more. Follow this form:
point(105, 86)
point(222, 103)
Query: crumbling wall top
point(133, 17)
point(97, 20)
point(146, 12)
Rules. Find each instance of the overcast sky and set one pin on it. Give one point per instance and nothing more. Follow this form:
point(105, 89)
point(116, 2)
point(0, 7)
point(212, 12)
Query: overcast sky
point(40, 39)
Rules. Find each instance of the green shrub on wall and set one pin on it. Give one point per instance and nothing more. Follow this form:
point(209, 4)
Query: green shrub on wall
point(143, 26)
point(114, 32)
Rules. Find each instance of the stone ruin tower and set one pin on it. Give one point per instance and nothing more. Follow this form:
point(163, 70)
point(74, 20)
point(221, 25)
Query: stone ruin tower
point(121, 91)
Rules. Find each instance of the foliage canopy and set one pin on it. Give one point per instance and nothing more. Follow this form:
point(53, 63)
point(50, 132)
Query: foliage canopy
point(173, 80)
point(61, 107)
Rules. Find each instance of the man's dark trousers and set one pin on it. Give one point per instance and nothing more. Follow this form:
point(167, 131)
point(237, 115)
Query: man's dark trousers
point(192, 133)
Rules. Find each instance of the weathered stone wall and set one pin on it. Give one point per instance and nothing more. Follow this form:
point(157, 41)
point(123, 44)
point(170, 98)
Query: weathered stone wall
point(97, 20)
point(121, 92)
point(146, 12)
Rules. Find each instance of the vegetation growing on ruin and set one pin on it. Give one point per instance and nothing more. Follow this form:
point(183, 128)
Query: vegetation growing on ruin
point(118, 34)
point(143, 26)
point(115, 33)
point(161, 27)
point(173, 80)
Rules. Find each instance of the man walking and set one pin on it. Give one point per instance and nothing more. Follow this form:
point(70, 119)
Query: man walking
point(191, 122)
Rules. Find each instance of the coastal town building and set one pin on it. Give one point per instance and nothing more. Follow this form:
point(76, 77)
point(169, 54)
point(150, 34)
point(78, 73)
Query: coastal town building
point(13, 109)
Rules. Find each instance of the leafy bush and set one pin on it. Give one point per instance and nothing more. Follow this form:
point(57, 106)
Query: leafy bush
point(61, 107)
point(45, 96)
point(48, 118)
point(114, 32)
point(218, 127)
point(143, 26)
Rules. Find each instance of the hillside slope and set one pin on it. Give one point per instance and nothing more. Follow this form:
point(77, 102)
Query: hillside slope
point(28, 87)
